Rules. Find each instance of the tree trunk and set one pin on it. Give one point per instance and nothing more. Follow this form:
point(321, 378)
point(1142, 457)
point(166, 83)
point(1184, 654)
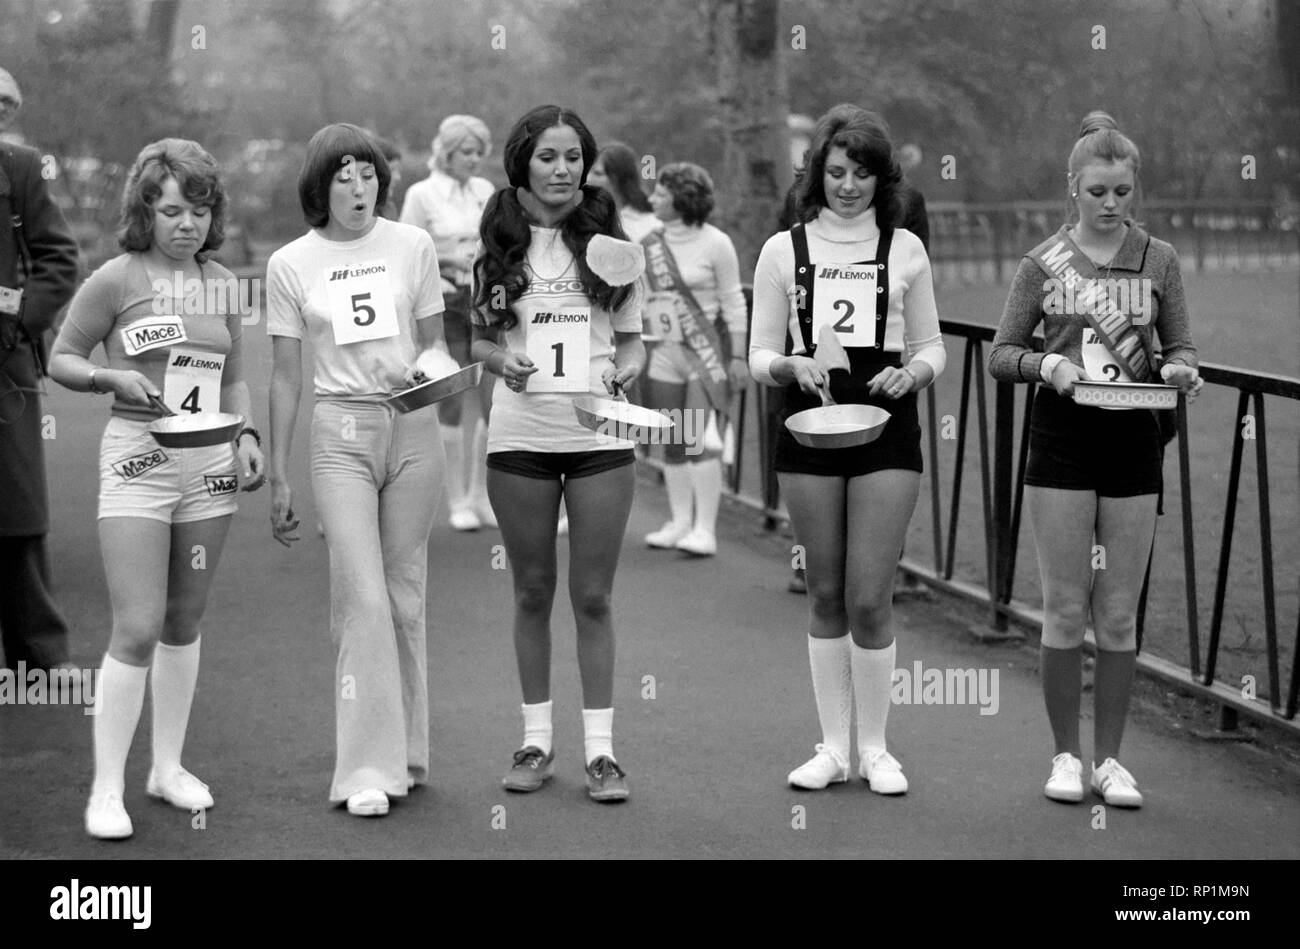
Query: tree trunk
point(753, 97)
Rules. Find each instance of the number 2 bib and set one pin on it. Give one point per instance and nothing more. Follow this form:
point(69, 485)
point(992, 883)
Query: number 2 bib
point(193, 380)
point(844, 298)
point(360, 301)
point(558, 341)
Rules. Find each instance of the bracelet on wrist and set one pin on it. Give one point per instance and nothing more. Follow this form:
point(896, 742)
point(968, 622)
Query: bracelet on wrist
point(916, 383)
point(92, 384)
point(249, 430)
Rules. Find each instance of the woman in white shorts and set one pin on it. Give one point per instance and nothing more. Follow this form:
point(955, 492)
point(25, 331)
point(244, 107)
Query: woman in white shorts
point(558, 332)
point(693, 272)
point(170, 322)
point(365, 292)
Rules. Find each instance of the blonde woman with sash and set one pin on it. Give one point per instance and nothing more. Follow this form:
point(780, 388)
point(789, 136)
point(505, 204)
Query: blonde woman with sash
point(1093, 478)
point(692, 277)
point(845, 272)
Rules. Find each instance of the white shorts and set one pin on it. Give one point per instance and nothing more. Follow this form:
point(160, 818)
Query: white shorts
point(140, 478)
point(672, 362)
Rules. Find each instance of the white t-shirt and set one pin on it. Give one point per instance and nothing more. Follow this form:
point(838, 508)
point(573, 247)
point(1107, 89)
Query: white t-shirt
point(546, 421)
point(637, 224)
point(357, 301)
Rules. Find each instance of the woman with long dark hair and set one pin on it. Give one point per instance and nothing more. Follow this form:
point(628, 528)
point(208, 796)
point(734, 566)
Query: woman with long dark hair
point(554, 330)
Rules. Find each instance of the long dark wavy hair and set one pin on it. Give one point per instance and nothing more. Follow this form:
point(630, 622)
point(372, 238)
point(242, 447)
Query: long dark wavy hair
point(198, 178)
point(504, 228)
point(865, 137)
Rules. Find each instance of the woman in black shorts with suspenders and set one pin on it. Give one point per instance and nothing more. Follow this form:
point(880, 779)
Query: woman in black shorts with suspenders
point(846, 270)
point(1094, 475)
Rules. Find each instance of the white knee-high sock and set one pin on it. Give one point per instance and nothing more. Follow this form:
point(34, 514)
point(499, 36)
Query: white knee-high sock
point(453, 440)
point(873, 683)
point(677, 479)
point(537, 725)
point(476, 480)
point(706, 479)
point(598, 732)
point(117, 711)
point(832, 676)
point(175, 672)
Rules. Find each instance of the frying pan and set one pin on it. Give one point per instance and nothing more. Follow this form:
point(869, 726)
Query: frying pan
point(201, 430)
point(435, 390)
point(619, 418)
point(837, 426)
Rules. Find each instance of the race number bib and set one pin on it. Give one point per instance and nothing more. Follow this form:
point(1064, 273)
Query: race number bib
point(360, 301)
point(1098, 361)
point(659, 317)
point(844, 298)
point(193, 381)
point(558, 342)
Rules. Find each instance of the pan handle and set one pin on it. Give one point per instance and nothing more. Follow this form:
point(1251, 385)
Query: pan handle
point(824, 392)
point(160, 405)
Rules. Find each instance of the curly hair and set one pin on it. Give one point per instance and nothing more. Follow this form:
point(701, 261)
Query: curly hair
point(864, 135)
point(196, 175)
point(691, 188)
point(504, 228)
point(327, 151)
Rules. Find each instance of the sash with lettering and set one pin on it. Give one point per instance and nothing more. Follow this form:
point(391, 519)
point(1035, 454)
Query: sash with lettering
point(1059, 257)
point(698, 333)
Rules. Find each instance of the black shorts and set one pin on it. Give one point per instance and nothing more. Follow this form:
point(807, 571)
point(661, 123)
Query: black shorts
point(455, 325)
point(897, 447)
point(558, 465)
point(1114, 452)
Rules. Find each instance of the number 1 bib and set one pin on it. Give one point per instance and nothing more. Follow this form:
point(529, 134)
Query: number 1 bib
point(360, 301)
point(844, 298)
point(193, 381)
point(558, 341)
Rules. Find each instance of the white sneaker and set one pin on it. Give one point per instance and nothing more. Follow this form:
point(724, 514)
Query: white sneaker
point(699, 542)
point(825, 767)
point(464, 519)
point(666, 537)
point(882, 772)
point(1115, 785)
point(106, 818)
point(371, 802)
point(179, 789)
point(1066, 782)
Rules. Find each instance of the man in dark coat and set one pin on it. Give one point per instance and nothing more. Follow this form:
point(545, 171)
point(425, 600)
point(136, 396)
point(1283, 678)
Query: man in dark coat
point(38, 273)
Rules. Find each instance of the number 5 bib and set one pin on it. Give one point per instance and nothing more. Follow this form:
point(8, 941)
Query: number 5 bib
point(360, 301)
point(844, 298)
point(558, 341)
point(193, 380)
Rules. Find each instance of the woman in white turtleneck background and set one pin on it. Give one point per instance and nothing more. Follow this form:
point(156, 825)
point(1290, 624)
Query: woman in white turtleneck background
point(705, 260)
point(847, 278)
point(449, 205)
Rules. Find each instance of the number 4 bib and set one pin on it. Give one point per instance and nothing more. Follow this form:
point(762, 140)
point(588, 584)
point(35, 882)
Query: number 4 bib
point(360, 300)
point(558, 341)
point(193, 381)
point(844, 298)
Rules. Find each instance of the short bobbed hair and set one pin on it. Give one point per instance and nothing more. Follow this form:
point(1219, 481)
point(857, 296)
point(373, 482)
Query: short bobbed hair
point(691, 188)
point(529, 129)
point(196, 174)
point(864, 135)
point(326, 154)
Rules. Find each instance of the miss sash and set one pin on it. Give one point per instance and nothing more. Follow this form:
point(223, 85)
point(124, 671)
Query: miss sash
point(697, 331)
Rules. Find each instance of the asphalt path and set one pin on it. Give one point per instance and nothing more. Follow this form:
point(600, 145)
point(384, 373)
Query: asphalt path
point(713, 708)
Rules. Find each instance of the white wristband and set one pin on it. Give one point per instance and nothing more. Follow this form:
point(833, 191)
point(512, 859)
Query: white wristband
point(1048, 366)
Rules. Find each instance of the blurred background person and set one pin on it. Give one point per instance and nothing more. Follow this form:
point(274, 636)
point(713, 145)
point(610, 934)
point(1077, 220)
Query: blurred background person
point(449, 205)
point(38, 271)
point(692, 268)
point(618, 170)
